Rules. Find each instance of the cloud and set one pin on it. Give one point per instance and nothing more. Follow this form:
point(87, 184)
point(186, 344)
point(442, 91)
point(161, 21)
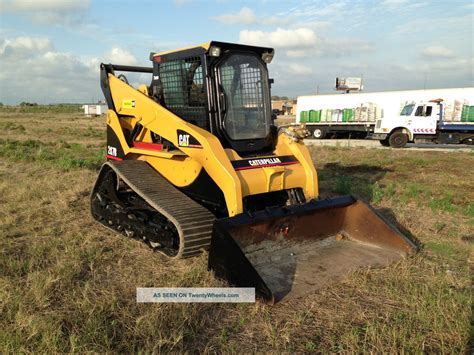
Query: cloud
point(47, 77)
point(45, 5)
point(280, 38)
point(302, 53)
point(402, 7)
point(405, 4)
point(346, 46)
point(245, 16)
point(47, 12)
point(296, 53)
point(120, 56)
point(303, 42)
point(21, 46)
point(299, 69)
point(34, 71)
point(417, 5)
point(447, 66)
point(332, 48)
point(378, 76)
point(316, 9)
point(330, 9)
point(437, 52)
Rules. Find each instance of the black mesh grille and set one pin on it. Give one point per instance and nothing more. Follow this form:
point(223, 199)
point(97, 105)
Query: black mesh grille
point(183, 89)
point(247, 88)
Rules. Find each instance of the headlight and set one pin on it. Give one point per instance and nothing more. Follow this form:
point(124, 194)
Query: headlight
point(267, 57)
point(214, 51)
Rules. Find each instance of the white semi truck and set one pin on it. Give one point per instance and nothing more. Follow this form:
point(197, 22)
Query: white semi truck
point(357, 114)
point(434, 121)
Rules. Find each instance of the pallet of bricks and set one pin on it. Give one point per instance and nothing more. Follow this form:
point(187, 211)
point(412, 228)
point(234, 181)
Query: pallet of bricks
point(366, 112)
point(459, 111)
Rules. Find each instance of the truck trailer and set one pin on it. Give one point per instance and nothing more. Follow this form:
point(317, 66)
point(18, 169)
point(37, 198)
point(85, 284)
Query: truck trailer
point(356, 114)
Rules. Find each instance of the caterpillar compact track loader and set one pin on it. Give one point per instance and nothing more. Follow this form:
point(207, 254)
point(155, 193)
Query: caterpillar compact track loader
point(196, 163)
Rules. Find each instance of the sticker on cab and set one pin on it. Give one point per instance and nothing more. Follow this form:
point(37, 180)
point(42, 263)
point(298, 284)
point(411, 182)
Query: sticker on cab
point(128, 103)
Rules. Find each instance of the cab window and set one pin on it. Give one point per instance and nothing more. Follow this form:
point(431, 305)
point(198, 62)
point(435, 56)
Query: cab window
point(419, 111)
point(424, 111)
point(243, 86)
point(407, 110)
point(183, 89)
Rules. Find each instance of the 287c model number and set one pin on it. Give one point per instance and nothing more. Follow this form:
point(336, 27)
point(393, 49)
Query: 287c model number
point(111, 151)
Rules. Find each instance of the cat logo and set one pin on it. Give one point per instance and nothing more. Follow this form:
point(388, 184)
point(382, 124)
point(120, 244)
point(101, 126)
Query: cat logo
point(183, 140)
point(187, 141)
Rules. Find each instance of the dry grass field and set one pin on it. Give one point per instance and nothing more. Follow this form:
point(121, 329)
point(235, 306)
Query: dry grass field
point(68, 285)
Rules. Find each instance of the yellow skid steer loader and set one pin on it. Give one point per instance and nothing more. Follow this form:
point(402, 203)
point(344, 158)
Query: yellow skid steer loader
point(195, 162)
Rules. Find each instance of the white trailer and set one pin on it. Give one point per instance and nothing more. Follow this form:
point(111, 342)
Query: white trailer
point(94, 109)
point(356, 114)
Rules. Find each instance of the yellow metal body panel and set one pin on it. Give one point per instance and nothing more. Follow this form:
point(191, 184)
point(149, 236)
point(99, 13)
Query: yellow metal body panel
point(202, 45)
point(287, 146)
point(181, 167)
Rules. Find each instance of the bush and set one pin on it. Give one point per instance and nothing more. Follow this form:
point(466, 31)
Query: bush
point(28, 104)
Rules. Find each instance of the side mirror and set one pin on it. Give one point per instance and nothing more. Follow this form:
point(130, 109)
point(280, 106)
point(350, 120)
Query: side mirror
point(274, 116)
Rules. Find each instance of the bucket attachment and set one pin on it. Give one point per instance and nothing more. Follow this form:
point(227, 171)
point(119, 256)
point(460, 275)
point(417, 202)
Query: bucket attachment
point(289, 252)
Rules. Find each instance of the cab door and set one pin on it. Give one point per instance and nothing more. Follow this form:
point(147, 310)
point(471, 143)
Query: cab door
point(244, 104)
point(424, 119)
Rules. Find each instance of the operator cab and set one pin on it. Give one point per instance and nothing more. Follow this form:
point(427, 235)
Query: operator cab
point(222, 88)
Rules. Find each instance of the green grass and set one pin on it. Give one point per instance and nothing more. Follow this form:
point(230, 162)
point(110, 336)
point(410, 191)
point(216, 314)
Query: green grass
point(443, 204)
point(383, 176)
point(68, 285)
point(383, 191)
point(469, 210)
point(443, 249)
point(60, 154)
point(53, 108)
point(343, 185)
point(12, 126)
point(414, 191)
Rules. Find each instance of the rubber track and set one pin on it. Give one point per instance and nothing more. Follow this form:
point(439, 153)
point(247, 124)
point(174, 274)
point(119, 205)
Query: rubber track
point(192, 221)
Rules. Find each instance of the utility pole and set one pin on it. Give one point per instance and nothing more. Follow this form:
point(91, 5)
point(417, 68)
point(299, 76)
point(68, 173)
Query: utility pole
point(424, 85)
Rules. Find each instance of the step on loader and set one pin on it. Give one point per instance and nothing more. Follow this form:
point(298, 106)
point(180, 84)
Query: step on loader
point(195, 162)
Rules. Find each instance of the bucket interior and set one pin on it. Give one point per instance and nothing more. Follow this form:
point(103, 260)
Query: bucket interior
point(296, 254)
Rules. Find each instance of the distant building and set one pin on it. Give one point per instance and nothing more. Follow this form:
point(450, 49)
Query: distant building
point(94, 109)
point(286, 107)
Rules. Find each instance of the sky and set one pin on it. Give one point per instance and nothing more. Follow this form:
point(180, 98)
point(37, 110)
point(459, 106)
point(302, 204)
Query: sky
point(50, 50)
